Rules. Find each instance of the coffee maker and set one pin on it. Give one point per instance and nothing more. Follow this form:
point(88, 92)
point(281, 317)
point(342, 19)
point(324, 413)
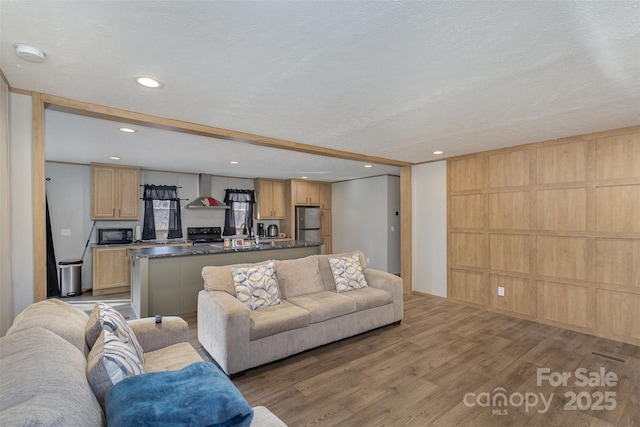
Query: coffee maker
point(260, 229)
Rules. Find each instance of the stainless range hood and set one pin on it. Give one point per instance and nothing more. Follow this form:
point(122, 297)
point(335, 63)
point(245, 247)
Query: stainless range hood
point(205, 199)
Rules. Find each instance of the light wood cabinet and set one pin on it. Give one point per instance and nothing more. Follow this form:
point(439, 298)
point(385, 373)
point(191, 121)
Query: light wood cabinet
point(325, 196)
point(326, 230)
point(306, 193)
point(112, 268)
point(115, 192)
point(270, 196)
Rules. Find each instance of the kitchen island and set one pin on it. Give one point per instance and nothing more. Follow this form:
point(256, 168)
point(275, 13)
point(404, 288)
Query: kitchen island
point(167, 280)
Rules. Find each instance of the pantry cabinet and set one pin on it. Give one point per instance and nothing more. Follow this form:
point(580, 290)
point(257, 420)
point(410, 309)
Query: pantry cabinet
point(115, 192)
point(270, 198)
point(325, 195)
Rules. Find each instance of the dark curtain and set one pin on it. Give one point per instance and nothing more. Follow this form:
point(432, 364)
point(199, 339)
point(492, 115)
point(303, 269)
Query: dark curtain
point(237, 200)
point(161, 192)
point(53, 289)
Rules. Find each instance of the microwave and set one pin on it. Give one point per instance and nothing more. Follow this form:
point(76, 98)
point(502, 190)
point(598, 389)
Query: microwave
point(111, 236)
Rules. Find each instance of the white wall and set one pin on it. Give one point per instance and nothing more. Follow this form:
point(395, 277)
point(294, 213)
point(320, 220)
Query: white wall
point(429, 194)
point(6, 295)
point(393, 212)
point(21, 171)
point(361, 219)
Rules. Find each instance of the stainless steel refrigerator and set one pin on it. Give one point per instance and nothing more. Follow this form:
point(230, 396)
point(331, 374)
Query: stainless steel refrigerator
point(308, 224)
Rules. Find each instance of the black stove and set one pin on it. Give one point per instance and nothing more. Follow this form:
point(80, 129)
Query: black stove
point(204, 235)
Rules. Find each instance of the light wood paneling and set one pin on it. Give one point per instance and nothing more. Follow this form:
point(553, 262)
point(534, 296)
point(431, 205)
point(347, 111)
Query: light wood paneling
point(467, 211)
point(39, 198)
point(618, 313)
point(563, 303)
point(618, 156)
point(562, 163)
point(519, 294)
point(509, 210)
point(618, 262)
point(510, 252)
point(406, 229)
point(563, 257)
point(467, 174)
point(469, 249)
point(618, 208)
point(509, 169)
point(562, 209)
point(469, 286)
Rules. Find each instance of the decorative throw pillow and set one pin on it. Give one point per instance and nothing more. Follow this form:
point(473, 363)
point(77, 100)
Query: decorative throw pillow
point(347, 273)
point(110, 361)
point(256, 286)
point(105, 317)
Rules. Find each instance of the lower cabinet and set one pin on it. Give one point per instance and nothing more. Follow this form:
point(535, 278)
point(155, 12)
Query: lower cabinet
point(112, 268)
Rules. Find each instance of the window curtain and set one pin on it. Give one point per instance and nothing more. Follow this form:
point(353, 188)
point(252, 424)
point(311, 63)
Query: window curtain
point(240, 211)
point(161, 192)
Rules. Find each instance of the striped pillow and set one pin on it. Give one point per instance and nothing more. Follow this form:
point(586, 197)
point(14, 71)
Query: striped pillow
point(347, 273)
point(256, 286)
point(105, 317)
point(110, 361)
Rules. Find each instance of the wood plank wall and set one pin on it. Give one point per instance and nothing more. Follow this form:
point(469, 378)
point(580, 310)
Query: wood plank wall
point(557, 225)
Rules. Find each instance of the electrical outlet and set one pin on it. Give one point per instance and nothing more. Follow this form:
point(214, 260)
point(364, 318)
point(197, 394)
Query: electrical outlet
point(393, 229)
point(500, 291)
point(368, 260)
point(65, 232)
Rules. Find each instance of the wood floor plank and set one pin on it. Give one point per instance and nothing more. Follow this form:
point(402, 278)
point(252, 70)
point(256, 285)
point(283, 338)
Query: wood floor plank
point(418, 373)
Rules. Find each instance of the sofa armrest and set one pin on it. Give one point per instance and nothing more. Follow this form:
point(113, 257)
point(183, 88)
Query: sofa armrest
point(224, 327)
point(153, 336)
point(390, 283)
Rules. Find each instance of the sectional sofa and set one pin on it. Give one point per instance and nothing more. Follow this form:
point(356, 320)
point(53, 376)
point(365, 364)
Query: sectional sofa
point(310, 306)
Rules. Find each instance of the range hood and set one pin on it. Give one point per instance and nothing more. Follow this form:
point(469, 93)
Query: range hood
point(205, 199)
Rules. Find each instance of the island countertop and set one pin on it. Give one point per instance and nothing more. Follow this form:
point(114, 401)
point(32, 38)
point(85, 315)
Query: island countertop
point(214, 248)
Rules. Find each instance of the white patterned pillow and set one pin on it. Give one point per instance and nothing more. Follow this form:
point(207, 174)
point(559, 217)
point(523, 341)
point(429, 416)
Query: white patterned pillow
point(110, 361)
point(347, 273)
point(105, 317)
point(256, 286)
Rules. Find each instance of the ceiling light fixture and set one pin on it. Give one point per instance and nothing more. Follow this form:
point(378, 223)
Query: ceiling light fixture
point(148, 82)
point(114, 158)
point(305, 177)
point(29, 53)
point(368, 166)
point(127, 130)
point(438, 152)
point(233, 162)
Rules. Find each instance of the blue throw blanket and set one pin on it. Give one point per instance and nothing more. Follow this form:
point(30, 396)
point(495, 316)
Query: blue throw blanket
point(198, 395)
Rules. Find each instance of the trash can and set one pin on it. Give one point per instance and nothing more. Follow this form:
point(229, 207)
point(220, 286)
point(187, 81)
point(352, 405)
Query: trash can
point(70, 278)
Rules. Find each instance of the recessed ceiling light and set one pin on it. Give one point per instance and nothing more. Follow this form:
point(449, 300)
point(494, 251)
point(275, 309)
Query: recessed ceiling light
point(438, 152)
point(29, 53)
point(114, 158)
point(305, 177)
point(368, 166)
point(148, 82)
point(128, 130)
point(233, 162)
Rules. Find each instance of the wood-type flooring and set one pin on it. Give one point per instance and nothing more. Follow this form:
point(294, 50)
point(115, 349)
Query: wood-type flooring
point(450, 364)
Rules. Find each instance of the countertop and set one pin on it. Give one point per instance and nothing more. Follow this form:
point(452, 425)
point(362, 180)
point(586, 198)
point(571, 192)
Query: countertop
point(144, 243)
point(214, 248)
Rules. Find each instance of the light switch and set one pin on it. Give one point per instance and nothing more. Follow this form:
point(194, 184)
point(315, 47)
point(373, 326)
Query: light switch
point(65, 232)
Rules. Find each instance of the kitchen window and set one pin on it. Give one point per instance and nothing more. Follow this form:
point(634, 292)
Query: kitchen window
point(161, 215)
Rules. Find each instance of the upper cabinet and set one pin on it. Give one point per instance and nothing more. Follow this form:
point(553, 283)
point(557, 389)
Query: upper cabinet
point(115, 192)
point(270, 198)
point(305, 193)
point(325, 196)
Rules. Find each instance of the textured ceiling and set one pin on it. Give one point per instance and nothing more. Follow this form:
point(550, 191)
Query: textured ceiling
point(390, 79)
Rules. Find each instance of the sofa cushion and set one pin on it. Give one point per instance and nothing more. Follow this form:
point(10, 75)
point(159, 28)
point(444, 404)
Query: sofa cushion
point(171, 358)
point(220, 278)
point(326, 273)
point(347, 273)
point(298, 276)
point(324, 305)
point(369, 297)
point(43, 382)
point(256, 286)
point(105, 317)
point(110, 361)
point(61, 318)
point(274, 319)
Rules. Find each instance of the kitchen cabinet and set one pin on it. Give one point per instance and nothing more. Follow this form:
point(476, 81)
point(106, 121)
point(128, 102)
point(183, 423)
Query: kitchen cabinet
point(326, 230)
point(270, 196)
point(325, 195)
point(115, 192)
point(112, 267)
point(305, 193)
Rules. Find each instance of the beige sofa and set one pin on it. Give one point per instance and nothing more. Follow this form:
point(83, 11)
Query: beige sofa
point(43, 360)
point(311, 312)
